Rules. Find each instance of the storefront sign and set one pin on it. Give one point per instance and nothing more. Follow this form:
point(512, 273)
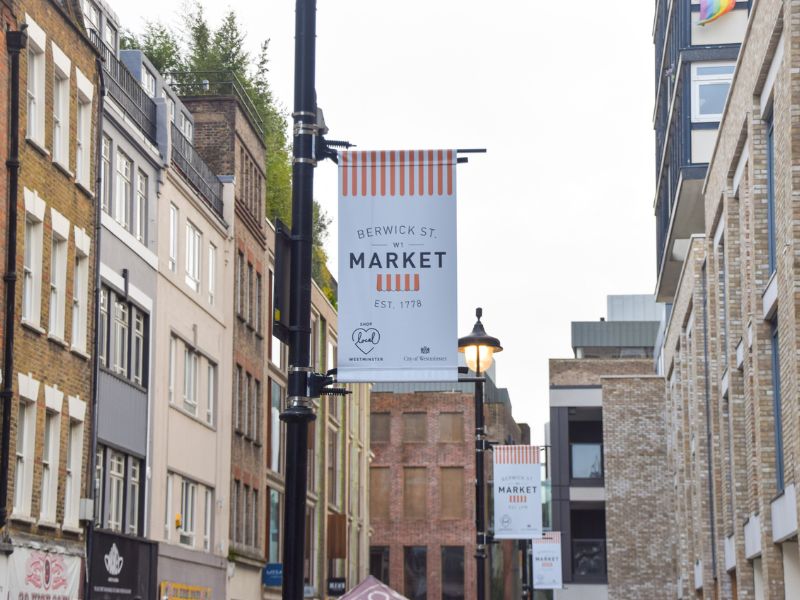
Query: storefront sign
point(336, 586)
point(397, 266)
point(517, 493)
point(122, 567)
point(179, 591)
point(43, 575)
point(272, 575)
point(547, 562)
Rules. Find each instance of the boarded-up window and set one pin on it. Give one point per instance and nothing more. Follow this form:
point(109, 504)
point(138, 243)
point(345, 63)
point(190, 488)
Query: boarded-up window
point(451, 492)
point(451, 427)
point(379, 427)
point(415, 492)
point(415, 427)
point(380, 488)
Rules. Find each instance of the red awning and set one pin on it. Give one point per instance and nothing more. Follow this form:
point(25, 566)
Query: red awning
point(372, 589)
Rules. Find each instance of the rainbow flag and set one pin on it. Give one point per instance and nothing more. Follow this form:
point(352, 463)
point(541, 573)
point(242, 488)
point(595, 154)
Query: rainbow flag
point(710, 10)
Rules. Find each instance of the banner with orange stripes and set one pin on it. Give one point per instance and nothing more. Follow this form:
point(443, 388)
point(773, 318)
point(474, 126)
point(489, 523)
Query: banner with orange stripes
point(397, 266)
point(517, 493)
point(546, 557)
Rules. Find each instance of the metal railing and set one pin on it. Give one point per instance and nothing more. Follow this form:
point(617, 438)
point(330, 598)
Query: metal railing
point(196, 171)
point(589, 559)
point(126, 90)
point(215, 83)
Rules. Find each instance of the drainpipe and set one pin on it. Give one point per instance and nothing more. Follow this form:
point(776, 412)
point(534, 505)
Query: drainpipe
point(98, 184)
point(15, 42)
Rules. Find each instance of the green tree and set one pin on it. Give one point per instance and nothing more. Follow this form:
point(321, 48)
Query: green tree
point(159, 44)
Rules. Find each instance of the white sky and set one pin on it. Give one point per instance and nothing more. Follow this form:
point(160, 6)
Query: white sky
point(559, 213)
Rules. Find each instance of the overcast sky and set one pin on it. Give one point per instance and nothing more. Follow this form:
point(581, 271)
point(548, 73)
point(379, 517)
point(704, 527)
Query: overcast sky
point(558, 213)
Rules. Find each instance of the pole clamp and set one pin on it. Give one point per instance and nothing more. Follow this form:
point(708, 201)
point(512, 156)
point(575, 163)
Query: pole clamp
point(301, 370)
point(305, 161)
point(301, 128)
point(300, 402)
point(304, 113)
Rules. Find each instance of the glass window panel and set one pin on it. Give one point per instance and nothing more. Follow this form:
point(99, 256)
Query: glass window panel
point(452, 572)
point(587, 461)
point(415, 560)
point(712, 97)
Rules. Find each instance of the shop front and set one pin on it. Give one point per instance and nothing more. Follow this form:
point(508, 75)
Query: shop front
point(188, 574)
point(44, 574)
point(122, 568)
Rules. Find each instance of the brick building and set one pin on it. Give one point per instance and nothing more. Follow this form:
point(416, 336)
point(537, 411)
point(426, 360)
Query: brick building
point(730, 350)
point(607, 447)
point(47, 400)
point(422, 505)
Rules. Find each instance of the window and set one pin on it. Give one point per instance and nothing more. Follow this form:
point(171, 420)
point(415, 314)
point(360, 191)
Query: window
point(248, 301)
point(188, 492)
point(173, 349)
point(209, 504)
point(710, 84)
point(415, 492)
point(237, 398)
point(451, 427)
point(50, 467)
point(380, 491)
point(190, 359)
point(452, 572)
point(32, 270)
point(103, 334)
point(258, 302)
point(80, 292)
point(257, 411)
point(246, 514)
point(212, 273)
point(777, 408)
point(83, 141)
point(123, 190)
point(137, 368)
point(171, 109)
point(333, 467)
point(276, 427)
point(72, 482)
point(586, 461)
point(61, 117)
point(379, 424)
point(211, 401)
point(140, 207)
point(105, 174)
point(121, 332)
point(771, 193)
point(58, 282)
point(19, 479)
point(379, 563)
point(91, 15)
point(26, 439)
point(273, 544)
point(134, 488)
point(168, 509)
point(239, 281)
point(234, 525)
point(110, 36)
point(415, 427)
point(116, 476)
point(186, 127)
point(192, 256)
point(149, 82)
point(35, 85)
point(173, 237)
point(451, 493)
point(415, 560)
point(246, 404)
point(99, 482)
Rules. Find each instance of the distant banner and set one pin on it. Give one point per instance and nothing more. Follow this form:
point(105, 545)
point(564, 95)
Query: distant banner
point(43, 575)
point(397, 266)
point(547, 562)
point(517, 493)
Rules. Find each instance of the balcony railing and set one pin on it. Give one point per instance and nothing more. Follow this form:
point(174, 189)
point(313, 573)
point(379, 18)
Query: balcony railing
point(215, 83)
point(197, 172)
point(589, 560)
point(586, 461)
point(126, 90)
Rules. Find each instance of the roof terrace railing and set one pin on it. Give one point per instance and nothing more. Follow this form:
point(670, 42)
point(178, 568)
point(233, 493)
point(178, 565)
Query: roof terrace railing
point(196, 171)
point(126, 90)
point(215, 83)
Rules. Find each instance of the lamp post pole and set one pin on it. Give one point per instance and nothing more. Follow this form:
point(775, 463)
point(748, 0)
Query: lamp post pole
point(478, 348)
point(299, 412)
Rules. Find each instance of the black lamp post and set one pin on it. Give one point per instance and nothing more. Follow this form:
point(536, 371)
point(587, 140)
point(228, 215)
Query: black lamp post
point(478, 348)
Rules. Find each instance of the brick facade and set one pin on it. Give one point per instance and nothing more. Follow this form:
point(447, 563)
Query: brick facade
point(52, 365)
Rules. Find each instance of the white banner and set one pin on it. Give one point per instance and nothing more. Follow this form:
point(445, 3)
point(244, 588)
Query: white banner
point(517, 493)
point(397, 266)
point(547, 562)
point(43, 575)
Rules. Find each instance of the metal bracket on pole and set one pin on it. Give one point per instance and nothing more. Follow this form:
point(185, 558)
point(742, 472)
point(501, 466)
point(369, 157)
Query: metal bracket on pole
point(305, 161)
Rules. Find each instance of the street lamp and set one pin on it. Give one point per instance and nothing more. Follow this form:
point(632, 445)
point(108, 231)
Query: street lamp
point(479, 348)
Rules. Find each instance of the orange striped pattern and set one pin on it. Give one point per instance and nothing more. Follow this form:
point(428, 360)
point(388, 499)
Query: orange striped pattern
point(549, 537)
point(516, 455)
point(397, 282)
point(517, 499)
point(392, 173)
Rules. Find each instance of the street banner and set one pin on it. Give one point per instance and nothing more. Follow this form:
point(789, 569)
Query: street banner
point(397, 266)
point(517, 493)
point(547, 561)
point(43, 575)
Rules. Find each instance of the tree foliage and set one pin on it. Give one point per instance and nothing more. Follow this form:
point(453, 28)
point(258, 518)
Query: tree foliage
point(197, 47)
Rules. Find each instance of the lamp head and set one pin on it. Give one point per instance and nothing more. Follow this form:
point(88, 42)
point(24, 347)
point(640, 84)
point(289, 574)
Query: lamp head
point(479, 347)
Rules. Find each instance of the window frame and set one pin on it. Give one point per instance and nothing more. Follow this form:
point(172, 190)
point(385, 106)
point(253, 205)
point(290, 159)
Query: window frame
point(194, 241)
point(698, 81)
